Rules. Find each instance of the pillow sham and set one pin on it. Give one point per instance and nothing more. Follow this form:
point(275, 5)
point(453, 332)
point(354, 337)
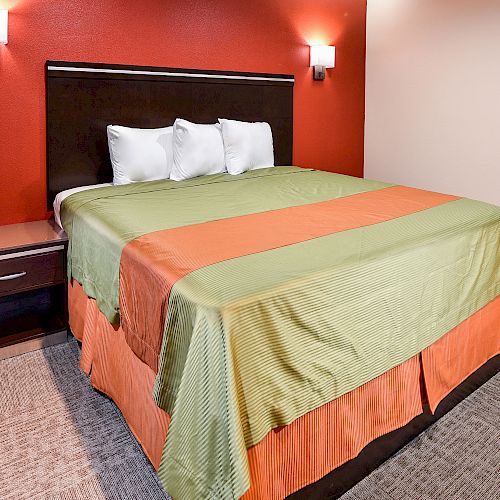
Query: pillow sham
point(140, 154)
point(197, 150)
point(247, 146)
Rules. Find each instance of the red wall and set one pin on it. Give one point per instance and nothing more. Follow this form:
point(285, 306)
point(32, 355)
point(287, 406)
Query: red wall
point(251, 35)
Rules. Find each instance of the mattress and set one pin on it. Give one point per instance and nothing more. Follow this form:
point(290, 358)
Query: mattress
point(259, 298)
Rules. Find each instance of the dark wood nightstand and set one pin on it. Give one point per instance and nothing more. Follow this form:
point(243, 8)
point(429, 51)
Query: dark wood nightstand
point(33, 287)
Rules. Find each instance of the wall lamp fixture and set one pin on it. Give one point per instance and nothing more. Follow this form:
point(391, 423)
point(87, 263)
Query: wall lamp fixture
point(322, 57)
point(4, 26)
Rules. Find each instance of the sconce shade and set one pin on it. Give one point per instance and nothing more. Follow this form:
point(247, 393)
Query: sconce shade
point(4, 24)
point(323, 55)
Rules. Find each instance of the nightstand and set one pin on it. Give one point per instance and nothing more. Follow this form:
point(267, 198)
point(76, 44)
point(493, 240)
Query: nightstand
point(33, 287)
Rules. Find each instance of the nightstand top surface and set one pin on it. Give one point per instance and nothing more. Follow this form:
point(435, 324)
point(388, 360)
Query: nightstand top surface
point(30, 234)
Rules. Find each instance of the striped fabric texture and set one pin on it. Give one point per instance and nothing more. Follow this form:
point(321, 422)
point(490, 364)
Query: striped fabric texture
point(289, 457)
point(100, 222)
point(258, 334)
point(445, 364)
point(157, 260)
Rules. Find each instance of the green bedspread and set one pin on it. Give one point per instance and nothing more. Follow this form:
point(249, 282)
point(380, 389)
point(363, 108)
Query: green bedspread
point(254, 342)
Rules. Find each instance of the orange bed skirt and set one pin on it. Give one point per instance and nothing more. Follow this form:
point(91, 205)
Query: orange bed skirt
point(299, 454)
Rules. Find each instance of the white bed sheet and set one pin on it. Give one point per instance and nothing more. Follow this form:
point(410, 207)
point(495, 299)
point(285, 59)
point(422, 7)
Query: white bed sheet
point(60, 197)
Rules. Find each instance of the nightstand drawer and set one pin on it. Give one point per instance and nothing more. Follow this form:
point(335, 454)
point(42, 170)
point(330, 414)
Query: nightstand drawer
point(30, 272)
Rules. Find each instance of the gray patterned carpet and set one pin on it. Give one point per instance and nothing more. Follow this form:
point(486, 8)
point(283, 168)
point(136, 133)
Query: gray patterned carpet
point(458, 458)
point(59, 439)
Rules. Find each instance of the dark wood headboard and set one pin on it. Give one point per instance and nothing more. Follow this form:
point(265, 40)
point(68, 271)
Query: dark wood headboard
point(83, 98)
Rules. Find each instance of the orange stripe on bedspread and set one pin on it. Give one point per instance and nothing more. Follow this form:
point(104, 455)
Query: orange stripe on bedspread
point(151, 265)
point(294, 456)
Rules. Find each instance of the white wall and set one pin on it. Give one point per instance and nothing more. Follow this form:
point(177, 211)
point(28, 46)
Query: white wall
point(433, 95)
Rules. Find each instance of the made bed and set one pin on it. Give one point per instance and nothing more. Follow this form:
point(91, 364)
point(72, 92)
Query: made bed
point(258, 331)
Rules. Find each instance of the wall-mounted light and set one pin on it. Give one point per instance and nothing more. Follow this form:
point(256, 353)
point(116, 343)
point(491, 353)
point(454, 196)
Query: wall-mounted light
point(322, 57)
point(4, 26)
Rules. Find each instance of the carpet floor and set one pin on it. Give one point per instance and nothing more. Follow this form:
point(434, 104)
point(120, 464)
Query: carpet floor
point(60, 439)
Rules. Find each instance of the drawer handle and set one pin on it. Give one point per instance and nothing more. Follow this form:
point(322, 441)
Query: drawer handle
point(12, 276)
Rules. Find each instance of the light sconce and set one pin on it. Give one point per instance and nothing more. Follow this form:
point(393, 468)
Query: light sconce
point(322, 57)
point(4, 26)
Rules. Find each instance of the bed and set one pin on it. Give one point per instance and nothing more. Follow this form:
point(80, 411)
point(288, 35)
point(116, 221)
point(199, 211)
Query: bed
point(258, 331)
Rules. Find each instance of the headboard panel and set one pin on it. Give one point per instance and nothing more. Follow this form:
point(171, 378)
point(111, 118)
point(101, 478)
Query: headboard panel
point(83, 98)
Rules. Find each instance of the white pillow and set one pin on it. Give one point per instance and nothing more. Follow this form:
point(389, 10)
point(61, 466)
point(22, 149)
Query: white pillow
point(140, 154)
point(247, 146)
point(197, 150)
